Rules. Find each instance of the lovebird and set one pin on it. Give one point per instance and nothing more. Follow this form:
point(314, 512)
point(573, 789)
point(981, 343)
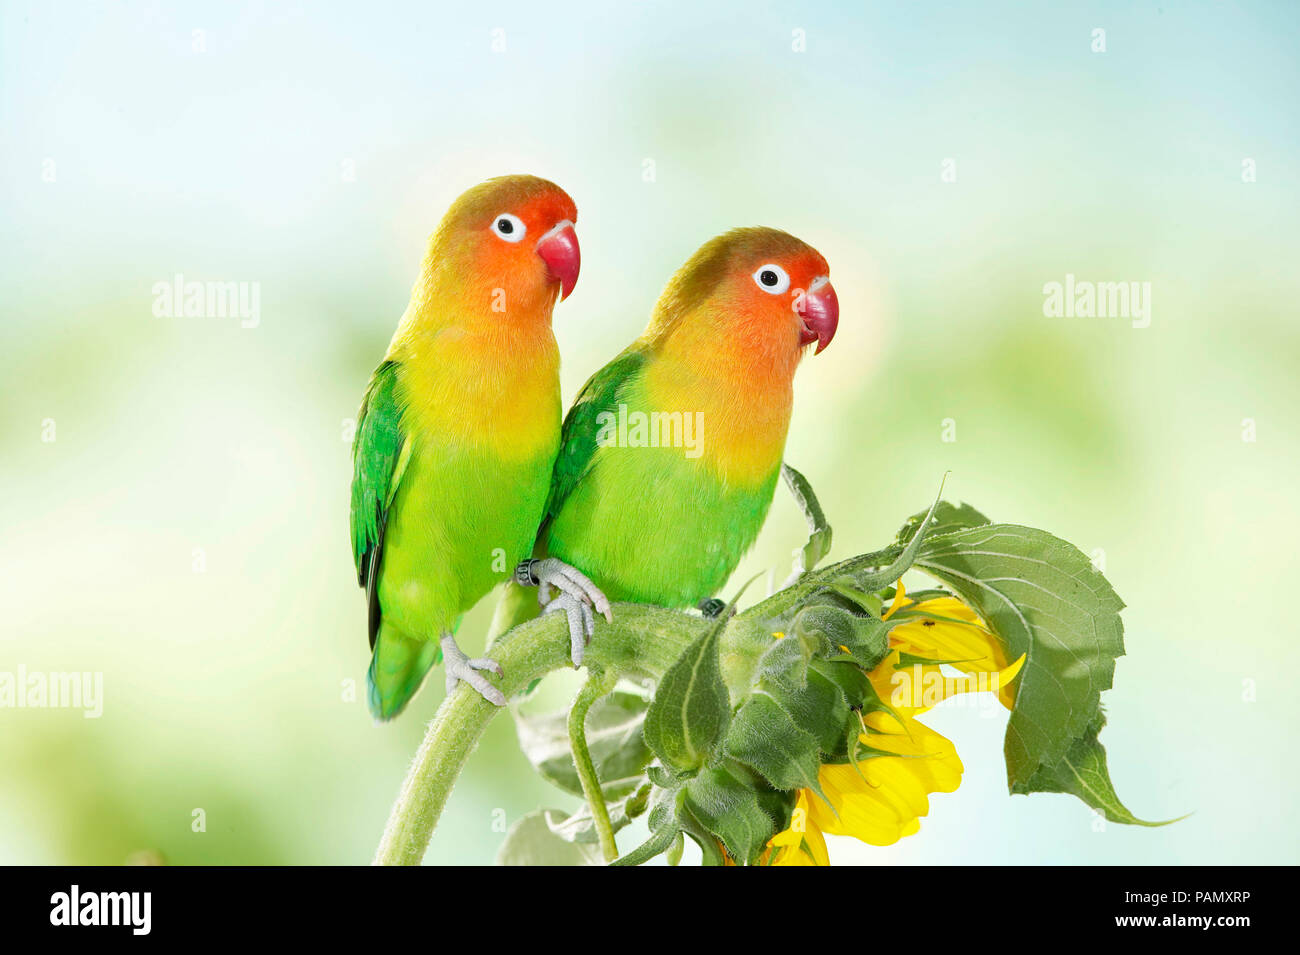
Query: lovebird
point(670, 454)
point(457, 436)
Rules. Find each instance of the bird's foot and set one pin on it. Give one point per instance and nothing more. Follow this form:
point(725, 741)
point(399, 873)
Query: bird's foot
point(578, 597)
point(582, 623)
point(462, 668)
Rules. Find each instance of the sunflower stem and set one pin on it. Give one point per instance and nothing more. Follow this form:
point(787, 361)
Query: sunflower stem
point(642, 642)
point(528, 653)
point(598, 685)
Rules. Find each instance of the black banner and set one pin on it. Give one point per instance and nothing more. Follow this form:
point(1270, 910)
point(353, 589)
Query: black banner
point(340, 904)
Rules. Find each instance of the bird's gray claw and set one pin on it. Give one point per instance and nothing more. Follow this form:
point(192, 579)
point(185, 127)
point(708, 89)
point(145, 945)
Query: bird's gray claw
point(461, 668)
point(554, 573)
point(582, 623)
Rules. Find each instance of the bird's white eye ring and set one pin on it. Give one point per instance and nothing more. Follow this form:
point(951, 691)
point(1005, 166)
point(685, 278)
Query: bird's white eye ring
point(508, 227)
point(771, 278)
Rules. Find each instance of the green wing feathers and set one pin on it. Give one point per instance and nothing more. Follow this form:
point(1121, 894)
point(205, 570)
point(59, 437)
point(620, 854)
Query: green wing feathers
point(581, 427)
point(379, 455)
point(375, 453)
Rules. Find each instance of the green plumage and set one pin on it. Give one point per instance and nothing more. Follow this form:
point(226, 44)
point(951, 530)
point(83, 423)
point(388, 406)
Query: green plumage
point(435, 525)
point(647, 524)
point(376, 451)
point(578, 436)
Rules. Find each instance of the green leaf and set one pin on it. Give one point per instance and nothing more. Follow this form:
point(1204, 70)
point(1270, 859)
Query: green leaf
point(581, 826)
point(908, 660)
point(530, 841)
point(665, 819)
point(674, 854)
point(816, 704)
point(618, 750)
point(850, 679)
point(819, 530)
point(764, 736)
point(739, 815)
point(849, 582)
point(875, 579)
point(710, 847)
point(819, 708)
point(663, 778)
point(691, 709)
point(1043, 598)
point(865, 638)
point(858, 600)
point(946, 517)
point(1082, 772)
point(660, 841)
point(786, 661)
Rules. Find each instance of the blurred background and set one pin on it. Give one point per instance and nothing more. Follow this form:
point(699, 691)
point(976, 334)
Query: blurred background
point(175, 500)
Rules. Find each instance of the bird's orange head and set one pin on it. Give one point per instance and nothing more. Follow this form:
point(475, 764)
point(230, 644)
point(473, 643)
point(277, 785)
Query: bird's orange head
point(506, 249)
point(757, 294)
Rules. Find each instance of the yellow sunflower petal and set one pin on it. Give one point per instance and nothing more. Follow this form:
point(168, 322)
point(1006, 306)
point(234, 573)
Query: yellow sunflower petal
point(900, 601)
point(801, 844)
point(883, 799)
point(969, 646)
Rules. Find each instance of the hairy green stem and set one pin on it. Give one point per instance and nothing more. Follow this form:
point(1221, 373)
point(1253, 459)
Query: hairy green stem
point(598, 684)
point(641, 643)
point(658, 843)
point(532, 650)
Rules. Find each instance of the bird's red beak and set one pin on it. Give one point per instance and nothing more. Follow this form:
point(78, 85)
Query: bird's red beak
point(819, 314)
point(559, 250)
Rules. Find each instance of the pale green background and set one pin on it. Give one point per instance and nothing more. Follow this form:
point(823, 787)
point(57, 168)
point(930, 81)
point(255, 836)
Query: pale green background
point(224, 689)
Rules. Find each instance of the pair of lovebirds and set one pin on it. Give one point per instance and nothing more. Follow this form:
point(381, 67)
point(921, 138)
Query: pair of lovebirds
point(464, 476)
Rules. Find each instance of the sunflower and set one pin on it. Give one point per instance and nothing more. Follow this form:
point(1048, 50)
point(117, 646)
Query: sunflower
point(880, 796)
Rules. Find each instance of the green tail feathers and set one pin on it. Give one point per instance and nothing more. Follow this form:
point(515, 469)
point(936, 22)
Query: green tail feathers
point(397, 669)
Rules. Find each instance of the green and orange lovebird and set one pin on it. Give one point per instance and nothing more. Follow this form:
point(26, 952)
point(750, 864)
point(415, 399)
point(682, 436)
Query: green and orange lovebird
point(670, 455)
point(458, 432)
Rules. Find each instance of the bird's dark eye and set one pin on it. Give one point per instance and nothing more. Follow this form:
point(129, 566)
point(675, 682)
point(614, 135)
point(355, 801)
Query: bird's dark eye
point(771, 278)
point(509, 227)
